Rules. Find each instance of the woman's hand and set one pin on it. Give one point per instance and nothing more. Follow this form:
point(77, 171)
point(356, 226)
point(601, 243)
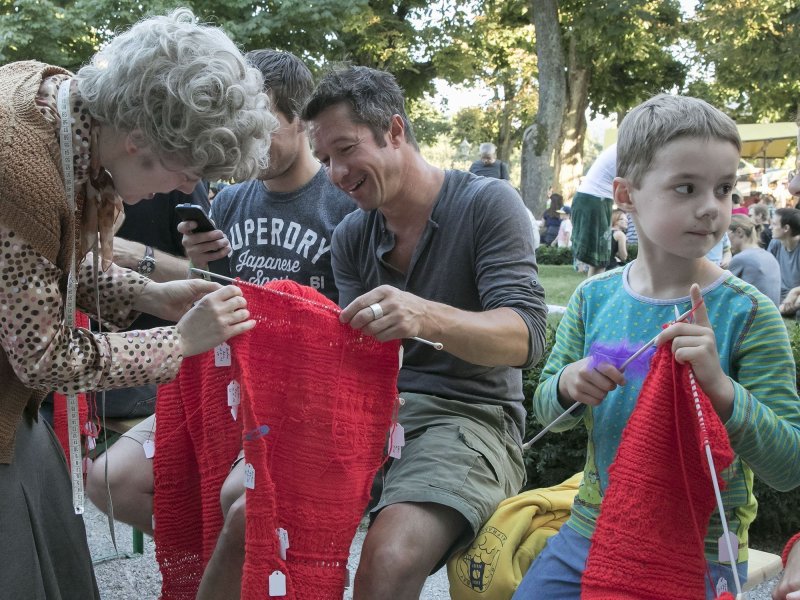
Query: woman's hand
point(172, 299)
point(216, 317)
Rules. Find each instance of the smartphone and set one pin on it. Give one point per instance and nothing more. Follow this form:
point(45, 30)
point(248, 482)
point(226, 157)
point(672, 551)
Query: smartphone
point(195, 212)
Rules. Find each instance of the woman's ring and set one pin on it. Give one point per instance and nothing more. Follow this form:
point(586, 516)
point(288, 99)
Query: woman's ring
point(377, 311)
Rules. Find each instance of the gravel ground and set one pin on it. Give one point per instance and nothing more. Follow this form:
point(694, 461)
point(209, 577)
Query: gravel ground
point(138, 578)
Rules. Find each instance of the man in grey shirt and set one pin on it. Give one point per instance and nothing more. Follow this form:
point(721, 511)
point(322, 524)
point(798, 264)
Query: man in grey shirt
point(785, 246)
point(448, 257)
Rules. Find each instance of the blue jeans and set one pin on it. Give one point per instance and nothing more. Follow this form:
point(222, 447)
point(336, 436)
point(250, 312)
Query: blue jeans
point(557, 571)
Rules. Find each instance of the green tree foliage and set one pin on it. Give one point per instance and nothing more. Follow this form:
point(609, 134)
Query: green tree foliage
point(428, 121)
point(619, 52)
point(413, 39)
point(496, 52)
point(46, 31)
point(746, 55)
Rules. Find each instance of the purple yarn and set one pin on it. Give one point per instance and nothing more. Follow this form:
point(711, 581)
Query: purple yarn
point(617, 353)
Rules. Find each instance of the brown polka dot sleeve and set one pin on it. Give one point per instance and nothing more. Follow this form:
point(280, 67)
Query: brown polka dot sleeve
point(117, 287)
point(46, 355)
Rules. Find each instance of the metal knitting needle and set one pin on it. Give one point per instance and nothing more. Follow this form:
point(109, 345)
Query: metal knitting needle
point(434, 345)
point(622, 368)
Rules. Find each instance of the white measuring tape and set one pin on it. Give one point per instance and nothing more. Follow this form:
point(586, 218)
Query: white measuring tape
point(73, 427)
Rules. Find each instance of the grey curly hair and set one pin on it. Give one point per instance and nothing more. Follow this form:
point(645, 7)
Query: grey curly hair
point(187, 92)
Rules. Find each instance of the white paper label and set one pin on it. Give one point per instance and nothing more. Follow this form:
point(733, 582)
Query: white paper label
point(283, 542)
point(234, 394)
point(396, 441)
point(249, 476)
point(724, 555)
point(234, 412)
point(400, 354)
point(277, 584)
point(149, 448)
point(222, 355)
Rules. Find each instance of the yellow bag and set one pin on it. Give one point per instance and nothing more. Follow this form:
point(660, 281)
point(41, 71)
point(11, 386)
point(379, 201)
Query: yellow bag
point(492, 568)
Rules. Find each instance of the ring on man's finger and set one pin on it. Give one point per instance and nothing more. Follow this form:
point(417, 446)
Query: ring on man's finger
point(377, 311)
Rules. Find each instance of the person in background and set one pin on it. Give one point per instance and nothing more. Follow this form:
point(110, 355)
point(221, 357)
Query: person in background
point(551, 219)
point(759, 213)
point(563, 239)
point(738, 207)
point(751, 263)
point(785, 247)
point(720, 254)
point(131, 135)
point(619, 240)
point(488, 165)
point(591, 213)
point(630, 233)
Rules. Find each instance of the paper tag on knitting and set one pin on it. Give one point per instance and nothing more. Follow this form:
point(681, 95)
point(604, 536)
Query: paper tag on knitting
point(724, 555)
point(277, 584)
point(283, 541)
point(234, 412)
point(234, 393)
point(90, 443)
point(149, 448)
point(397, 441)
point(400, 354)
point(222, 355)
point(249, 476)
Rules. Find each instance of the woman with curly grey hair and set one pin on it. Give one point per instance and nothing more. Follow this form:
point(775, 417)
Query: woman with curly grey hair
point(162, 105)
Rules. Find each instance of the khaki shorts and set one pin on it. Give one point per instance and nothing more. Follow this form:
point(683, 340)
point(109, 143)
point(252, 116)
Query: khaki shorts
point(143, 431)
point(456, 454)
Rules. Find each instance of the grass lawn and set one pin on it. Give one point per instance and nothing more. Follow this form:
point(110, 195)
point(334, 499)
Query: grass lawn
point(559, 281)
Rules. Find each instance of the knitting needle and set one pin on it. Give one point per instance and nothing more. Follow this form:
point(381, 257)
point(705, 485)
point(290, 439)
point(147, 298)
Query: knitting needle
point(435, 345)
point(622, 368)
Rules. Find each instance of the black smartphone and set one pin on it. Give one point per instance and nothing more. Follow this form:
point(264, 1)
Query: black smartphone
point(195, 212)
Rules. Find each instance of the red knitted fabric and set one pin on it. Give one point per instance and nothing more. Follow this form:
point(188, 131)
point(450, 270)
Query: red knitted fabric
point(60, 421)
point(327, 395)
point(196, 442)
point(649, 539)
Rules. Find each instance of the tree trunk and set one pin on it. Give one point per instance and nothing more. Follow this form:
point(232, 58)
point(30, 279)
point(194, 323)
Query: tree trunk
point(569, 162)
point(540, 138)
point(505, 141)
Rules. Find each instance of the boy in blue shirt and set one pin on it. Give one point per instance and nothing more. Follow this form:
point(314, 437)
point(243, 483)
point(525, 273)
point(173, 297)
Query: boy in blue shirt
point(676, 168)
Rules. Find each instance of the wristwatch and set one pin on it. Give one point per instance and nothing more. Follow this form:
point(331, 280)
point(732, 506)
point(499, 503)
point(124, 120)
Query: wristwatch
point(148, 263)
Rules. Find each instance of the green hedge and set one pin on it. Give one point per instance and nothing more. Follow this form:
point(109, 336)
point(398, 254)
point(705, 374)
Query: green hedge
point(558, 455)
point(552, 255)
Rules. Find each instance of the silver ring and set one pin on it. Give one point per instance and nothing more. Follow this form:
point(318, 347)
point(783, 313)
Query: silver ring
point(377, 311)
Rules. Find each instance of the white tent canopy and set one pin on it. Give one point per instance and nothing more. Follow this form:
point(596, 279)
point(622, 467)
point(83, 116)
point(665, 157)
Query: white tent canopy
point(759, 140)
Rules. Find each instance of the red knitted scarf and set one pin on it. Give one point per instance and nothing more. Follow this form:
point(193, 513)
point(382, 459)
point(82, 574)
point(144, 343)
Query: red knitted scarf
point(649, 539)
point(317, 400)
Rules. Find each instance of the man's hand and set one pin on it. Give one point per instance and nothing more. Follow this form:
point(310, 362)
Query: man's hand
point(216, 317)
point(788, 587)
point(403, 315)
point(202, 248)
point(789, 305)
point(581, 383)
point(127, 253)
point(696, 344)
point(173, 299)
